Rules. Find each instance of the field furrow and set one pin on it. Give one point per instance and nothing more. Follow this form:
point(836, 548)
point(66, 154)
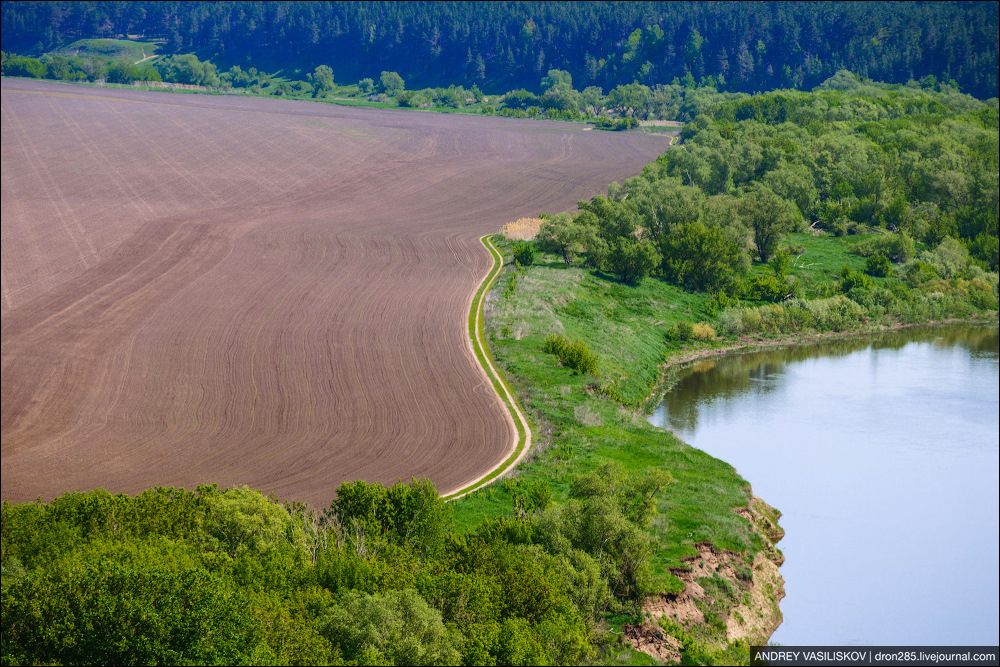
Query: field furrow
point(249, 291)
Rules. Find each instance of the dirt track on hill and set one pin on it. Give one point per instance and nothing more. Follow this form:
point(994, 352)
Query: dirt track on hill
point(202, 289)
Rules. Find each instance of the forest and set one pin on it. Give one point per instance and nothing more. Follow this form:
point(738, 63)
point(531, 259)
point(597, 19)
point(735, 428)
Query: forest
point(379, 577)
point(501, 46)
point(852, 157)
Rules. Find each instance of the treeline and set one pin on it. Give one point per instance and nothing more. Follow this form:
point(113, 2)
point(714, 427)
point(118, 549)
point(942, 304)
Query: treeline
point(380, 577)
point(619, 109)
point(75, 68)
point(917, 169)
point(503, 46)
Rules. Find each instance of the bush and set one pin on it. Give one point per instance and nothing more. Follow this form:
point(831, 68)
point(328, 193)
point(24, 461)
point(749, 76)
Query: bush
point(682, 331)
point(849, 279)
point(524, 253)
point(878, 266)
point(572, 353)
point(897, 247)
point(763, 287)
point(719, 302)
point(703, 331)
point(835, 313)
point(918, 272)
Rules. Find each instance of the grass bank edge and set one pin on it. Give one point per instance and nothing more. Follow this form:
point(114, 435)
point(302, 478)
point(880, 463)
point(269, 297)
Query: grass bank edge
point(485, 358)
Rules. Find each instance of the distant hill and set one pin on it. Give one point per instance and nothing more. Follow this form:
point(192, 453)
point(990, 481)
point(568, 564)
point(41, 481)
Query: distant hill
point(499, 46)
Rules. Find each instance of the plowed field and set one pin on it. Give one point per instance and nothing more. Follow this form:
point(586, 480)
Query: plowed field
point(207, 289)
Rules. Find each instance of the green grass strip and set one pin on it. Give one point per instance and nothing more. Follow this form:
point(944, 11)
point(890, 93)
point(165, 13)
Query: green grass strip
point(477, 336)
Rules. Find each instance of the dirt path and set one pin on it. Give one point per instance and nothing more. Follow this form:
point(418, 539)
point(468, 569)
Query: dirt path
point(521, 443)
point(144, 57)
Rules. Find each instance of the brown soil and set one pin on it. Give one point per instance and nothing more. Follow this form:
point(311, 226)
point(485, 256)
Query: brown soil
point(754, 618)
point(201, 289)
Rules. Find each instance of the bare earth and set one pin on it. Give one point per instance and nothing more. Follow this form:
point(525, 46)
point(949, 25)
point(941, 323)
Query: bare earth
point(202, 289)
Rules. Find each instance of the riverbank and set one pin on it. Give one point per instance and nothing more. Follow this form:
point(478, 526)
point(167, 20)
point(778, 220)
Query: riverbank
point(681, 359)
point(883, 445)
point(582, 421)
point(579, 426)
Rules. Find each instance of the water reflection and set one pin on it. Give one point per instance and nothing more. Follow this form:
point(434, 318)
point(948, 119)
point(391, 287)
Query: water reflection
point(883, 455)
point(711, 385)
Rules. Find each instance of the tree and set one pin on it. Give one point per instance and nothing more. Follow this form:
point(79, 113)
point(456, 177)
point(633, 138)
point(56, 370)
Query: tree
point(391, 83)
point(322, 80)
point(564, 235)
point(770, 217)
point(557, 78)
point(394, 628)
point(701, 258)
point(629, 99)
point(631, 259)
point(593, 97)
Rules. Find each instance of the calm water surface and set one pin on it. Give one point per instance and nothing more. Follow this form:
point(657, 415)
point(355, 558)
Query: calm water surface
point(882, 455)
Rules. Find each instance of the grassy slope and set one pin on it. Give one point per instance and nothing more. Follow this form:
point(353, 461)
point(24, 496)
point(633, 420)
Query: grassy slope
point(107, 48)
point(581, 422)
point(578, 427)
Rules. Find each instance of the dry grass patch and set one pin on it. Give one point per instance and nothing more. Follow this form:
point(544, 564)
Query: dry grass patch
point(522, 229)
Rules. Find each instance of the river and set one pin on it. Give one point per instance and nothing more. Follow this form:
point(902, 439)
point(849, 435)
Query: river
point(882, 454)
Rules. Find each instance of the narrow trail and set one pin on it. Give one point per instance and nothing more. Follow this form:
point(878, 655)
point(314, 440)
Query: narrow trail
point(145, 57)
point(522, 440)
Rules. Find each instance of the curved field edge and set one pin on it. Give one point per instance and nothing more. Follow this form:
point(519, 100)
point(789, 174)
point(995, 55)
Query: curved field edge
point(485, 359)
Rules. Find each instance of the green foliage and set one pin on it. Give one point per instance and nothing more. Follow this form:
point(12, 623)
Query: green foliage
point(878, 266)
point(322, 80)
point(616, 124)
point(566, 235)
point(682, 331)
point(779, 264)
point(394, 628)
point(631, 259)
point(916, 273)
point(188, 69)
point(899, 248)
point(719, 302)
point(701, 258)
point(524, 253)
point(572, 353)
point(111, 613)
point(770, 217)
point(410, 515)
point(764, 287)
point(607, 519)
point(239, 521)
point(850, 279)
point(391, 83)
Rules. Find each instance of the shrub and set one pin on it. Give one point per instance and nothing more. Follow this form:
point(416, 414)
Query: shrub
point(835, 313)
point(849, 279)
point(731, 320)
point(703, 331)
point(719, 302)
point(572, 353)
point(948, 259)
point(682, 331)
point(763, 287)
point(897, 247)
point(878, 266)
point(918, 272)
point(779, 264)
point(524, 253)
